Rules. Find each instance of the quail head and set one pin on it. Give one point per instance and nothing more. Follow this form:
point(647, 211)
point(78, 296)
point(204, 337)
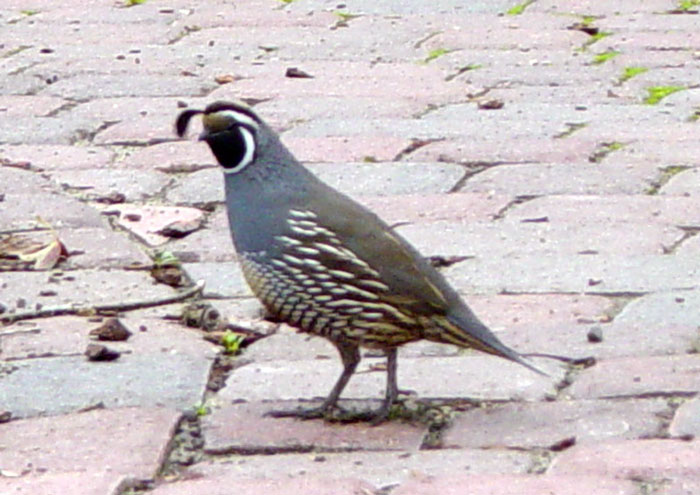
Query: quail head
point(323, 263)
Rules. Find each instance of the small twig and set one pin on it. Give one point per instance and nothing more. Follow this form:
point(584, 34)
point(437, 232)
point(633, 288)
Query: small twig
point(101, 308)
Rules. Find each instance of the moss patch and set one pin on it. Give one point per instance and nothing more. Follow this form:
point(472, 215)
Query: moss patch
point(630, 72)
point(601, 58)
point(666, 174)
point(657, 93)
point(520, 8)
point(604, 149)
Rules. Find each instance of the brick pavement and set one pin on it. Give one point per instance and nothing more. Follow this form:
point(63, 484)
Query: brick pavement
point(572, 206)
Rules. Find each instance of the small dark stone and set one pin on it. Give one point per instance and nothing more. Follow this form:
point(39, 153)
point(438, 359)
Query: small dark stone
point(47, 293)
point(111, 198)
point(132, 217)
point(563, 444)
point(111, 330)
point(46, 50)
point(493, 104)
point(98, 352)
point(178, 230)
point(544, 219)
point(5, 416)
point(3, 308)
point(21, 303)
point(295, 72)
point(595, 335)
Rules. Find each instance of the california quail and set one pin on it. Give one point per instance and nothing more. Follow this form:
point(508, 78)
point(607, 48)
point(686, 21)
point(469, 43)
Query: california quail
point(322, 263)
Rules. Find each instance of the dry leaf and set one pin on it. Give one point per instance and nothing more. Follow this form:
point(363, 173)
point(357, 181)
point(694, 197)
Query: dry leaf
point(225, 79)
point(26, 251)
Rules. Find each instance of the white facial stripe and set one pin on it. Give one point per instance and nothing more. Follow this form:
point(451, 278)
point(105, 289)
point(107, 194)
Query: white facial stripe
point(249, 152)
point(239, 117)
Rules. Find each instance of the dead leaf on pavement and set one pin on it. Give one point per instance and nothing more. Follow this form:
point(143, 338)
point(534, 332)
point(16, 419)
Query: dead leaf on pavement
point(31, 251)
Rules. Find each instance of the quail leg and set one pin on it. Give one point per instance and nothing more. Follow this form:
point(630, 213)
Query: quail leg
point(392, 390)
point(350, 355)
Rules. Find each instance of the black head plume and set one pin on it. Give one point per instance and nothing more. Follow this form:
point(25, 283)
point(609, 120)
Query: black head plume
point(183, 121)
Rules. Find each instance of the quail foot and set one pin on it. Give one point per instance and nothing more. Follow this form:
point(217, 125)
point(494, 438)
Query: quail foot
point(324, 264)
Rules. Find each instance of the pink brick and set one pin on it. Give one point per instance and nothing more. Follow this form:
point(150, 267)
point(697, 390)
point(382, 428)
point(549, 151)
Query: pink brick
point(516, 485)
point(57, 157)
point(84, 483)
point(137, 441)
point(232, 482)
point(645, 459)
point(223, 432)
point(19, 105)
point(170, 156)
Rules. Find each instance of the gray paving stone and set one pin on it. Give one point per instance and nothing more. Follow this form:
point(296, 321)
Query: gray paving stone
point(381, 179)
point(23, 130)
point(684, 184)
point(117, 85)
point(642, 209)
point(100, 249)
point(344, 149)
point(680, 487)
point(636, 377)
point(561, 178)
point(18, 181)
point(284, 112)
point(135, 185)
point(426, 208)
point(58, 210)
point(201, 187)
point(686, 422)
point(413, 7)
point(663, 309)
point(164, 365)
point(611, 274)
point(82, 287)
point(209, 244)
point(221, 279)
point(542, 424)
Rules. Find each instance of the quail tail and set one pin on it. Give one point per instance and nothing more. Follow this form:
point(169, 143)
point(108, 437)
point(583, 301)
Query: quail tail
point(467, 331)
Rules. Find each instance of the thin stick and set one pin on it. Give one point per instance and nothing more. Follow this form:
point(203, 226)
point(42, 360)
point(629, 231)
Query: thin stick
point(101, 308)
